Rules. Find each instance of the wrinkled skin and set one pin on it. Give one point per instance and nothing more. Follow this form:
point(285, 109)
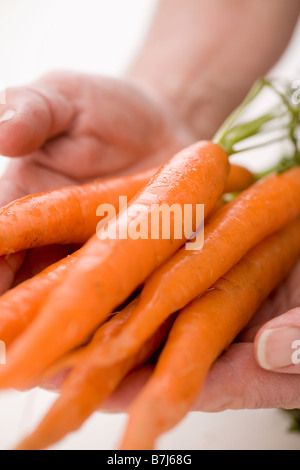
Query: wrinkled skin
point(236, 381)
point(73, 128)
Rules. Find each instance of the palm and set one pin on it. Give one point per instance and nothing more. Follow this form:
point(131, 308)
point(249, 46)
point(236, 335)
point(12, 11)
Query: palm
point(71, 128)
point(236, 381)
point(75, 128)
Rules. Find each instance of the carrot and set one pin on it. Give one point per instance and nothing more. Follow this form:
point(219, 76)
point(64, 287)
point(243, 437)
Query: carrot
point(202, 331)
point(62, 216)
point(87, 385)
point(20, 305)
point(68, 215)
point(110, 269)
point(239, 179)
point(105, 332)
point(229, 234)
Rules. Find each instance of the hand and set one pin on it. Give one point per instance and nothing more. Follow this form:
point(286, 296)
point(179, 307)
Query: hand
point(257, 371)
point(72, 128)
point(238, 380)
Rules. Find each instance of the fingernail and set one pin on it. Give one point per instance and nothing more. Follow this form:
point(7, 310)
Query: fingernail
point(7, 115)
point(277, 348)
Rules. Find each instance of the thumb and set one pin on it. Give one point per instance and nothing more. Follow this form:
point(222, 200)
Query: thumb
point(277, 344)
point(33, 114)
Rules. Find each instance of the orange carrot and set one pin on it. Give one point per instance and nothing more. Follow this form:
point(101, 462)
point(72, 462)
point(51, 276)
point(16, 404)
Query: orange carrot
point(111, 269)
point(202, 331)
point(20, 305)
point(62, 216)
point(68, 215)
point(87, 386)
point(239, 179)
point(229, 234)
point(105, 332)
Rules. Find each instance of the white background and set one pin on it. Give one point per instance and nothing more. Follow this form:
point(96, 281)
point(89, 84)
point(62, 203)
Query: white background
point(101, 36)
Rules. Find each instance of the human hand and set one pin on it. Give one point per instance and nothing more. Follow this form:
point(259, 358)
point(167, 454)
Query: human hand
point(257, 371)
point(72, 128)
point(238, 379)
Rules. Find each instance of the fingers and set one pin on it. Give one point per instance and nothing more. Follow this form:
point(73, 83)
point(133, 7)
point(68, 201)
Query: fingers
point(285, 298)
point(34, 114)
point(121, 400)
point(234, 382)
point(237, 382)
point(13, 187)
point(55, 383)
point(8, 267)
point(27, 176)
point(22, 177)
point(38, 259)
point(277, 344)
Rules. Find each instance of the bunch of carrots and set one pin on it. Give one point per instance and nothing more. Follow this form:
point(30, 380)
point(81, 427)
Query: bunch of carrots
point(107, 308)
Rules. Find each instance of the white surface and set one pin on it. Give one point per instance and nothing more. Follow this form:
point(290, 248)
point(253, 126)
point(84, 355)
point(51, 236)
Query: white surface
point(101, 36)
point(243, 430)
